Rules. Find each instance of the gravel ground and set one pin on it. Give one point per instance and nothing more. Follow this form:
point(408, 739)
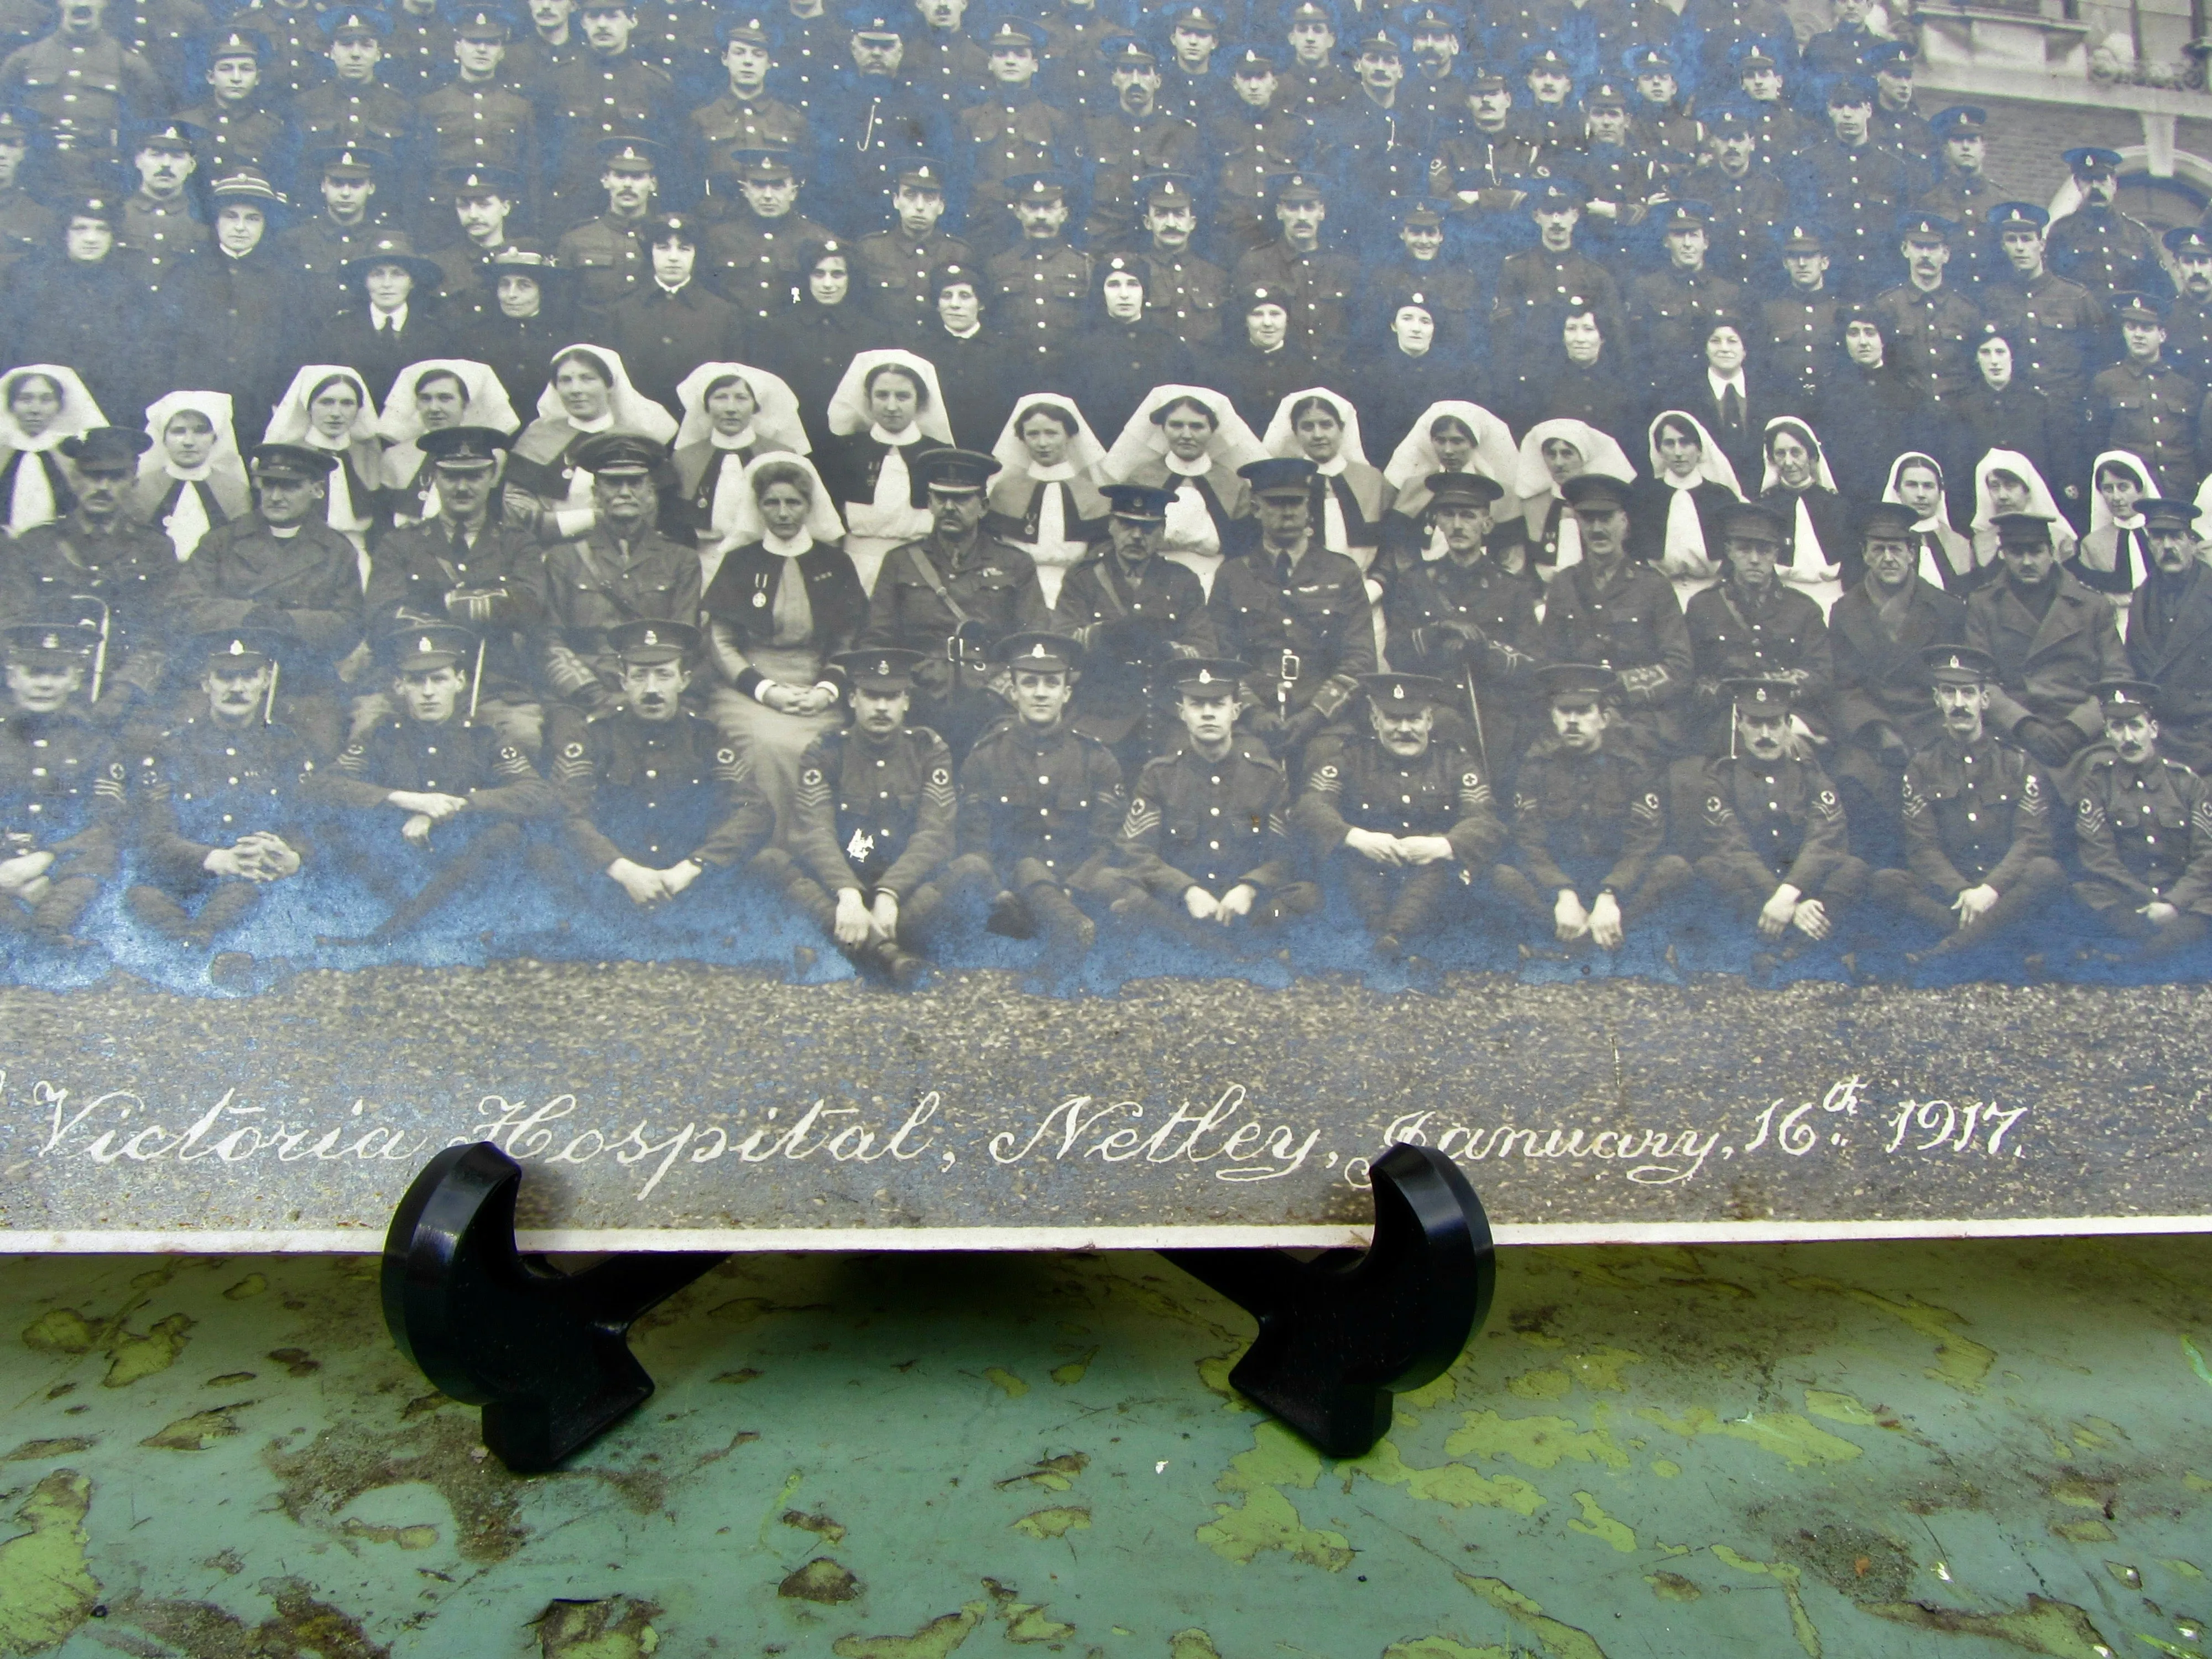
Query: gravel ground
point(668, 1095)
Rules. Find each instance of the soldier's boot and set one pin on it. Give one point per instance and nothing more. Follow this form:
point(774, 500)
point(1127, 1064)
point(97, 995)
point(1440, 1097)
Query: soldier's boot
point(448, 883)
point(1068, 933)
point(1136, 905)
point(230, 904)
point(2041, 881)
point(55, 916)
point(158, 910)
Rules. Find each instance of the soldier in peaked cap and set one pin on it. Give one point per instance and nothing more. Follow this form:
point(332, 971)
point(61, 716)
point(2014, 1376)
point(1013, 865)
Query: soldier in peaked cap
point(2052, 640)
point(479, 119)
point(61, 792)
point(1133, 611)
point(1587, 826)
point(2189, 319)
point(2107, 251)
point(1751, 625)
point(1040, 805)
point(353, 106)
point(1607, 609)
point(622, 569)
point(1978, 819)
point(1298, 612)
point(1536, 286)
point(1377, 143)
point(1666, 306)
point(1390, 815)
point(1963, 192)
point(159, 219)
point(610, 252)
point(1185, 293)
point(1260, 133)
point(2057, 327)
point(236, 123)
point(1010, 133)
point(1130, 141)
point(1205, 852)
point(2143, 829)
point(282, 566)
point(1773, 839)
point(463, 564)
point(2141, 404)
point(1041, 282)
point(951, 595)
point(755, 253)
point(1621, 181)
point(98, 566)
point(1314, 283)
point(1798, 326)
point(608, 89)
point(224, 803)
point(746, 116)
point(873, 823)
point(897, 262)
point(660, 807)
point(1929, 325)
point(430, 788)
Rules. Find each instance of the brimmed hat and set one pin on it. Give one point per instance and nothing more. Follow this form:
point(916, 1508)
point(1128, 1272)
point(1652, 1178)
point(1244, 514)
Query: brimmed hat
point(1041, 652)
point(394, 248)
point(465, 448)
point(107, 446)
point(290, 463)
point(885, 669)
point(425, 647)
point(649, 641)
point(1404, 693)
point(1959, 665)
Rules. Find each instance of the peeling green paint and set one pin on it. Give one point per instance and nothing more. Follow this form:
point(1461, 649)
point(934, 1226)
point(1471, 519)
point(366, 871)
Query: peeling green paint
point(1268, 1521)
point(1789, 1577)
point(934, 1640)
point(1537, 1443)
point(1053, 1522)
point(1558, 1641)
point(1960, 1362)
point(1454, 1484)
point(1596, 1523)
point(2056, 1629)
point(46, 1590)
point(1786, 1435)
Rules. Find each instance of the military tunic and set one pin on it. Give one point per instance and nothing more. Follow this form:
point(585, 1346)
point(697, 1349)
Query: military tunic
point(2145, 834)
point(203, 788)
point(61, 792)
point(754, 261)
point(1307, 630)
point(1585, 823)
point(2150, 411)
point(1763, 826)
point(243, 571)
point(1041, 807)
point(1041, 287)
point(714, 131)
point(2107, 251)
point(597, 582)
point(658, 793)
point(1122, 150)
point(896, 268)
point(593, 96)
point(1129, 625)
point(612, 257)
point(1212, 824)
point(1633, 625)
point(426, 573)
point(71, 568)
point(352, 113)
point(1930, 336)
point(1974, 816)
point(874, 817)
point(1737, 633)
point(1315, 288)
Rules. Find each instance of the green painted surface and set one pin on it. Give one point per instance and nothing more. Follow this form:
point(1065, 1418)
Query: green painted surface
point(1960, 1450)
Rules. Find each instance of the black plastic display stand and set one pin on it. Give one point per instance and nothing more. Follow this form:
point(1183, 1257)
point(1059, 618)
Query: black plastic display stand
point(546, 1354)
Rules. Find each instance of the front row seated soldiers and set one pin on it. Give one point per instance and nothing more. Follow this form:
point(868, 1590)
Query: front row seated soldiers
point(282, 566)
point(872, 822)
point(1883, 711)
point(1391, 815)
point(1462, 618)
point(1040, 805)
point(1131, 610)
point(223, 804)
point(1588, 825)
point(99, 564)
point(2051, 642)
point(620, 570)
point(61, 792)
point(1610, 610)
point(1977, 820)
point(2144, 828)
point(953, 595)
point(1776, 848)
point(656, 799)
point(1206, 842)
point(1298, 613)
point(430, 805)
point(461, 565)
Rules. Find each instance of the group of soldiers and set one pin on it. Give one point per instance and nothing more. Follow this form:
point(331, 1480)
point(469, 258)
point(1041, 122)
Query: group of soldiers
point(1932, 688)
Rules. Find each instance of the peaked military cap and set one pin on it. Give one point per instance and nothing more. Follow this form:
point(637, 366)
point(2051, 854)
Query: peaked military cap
point(879, 20)
point(1848, 90)
point(54, 643)
point(464, 448)
point(2021, 530)
point(291, 463)
point(1753, 55)
point(1641, 61)
point(620, 455)
point(1144, 503)
point(107, 446)
point(1554, 195)
point(2118, 698)
point(764, 167)
point(1043, 653)
point(1422, 212)
point(350, 160)
point(1538, 55)
point(1754, 521)
point(1887, 519)
point(1043, 187)
point(1375, 41)
point(355, 20)
point(1299, 187)
point(625, 150)
point(479, 179)
point(1012, 33)
point(1428, 18)
point(1487, 77)
point(1959, 665)
point(2163, 509)
point(1761, 693)
point(2187, 239)
point(1279, 475)
point(1311, 11)
point(744, 25)
point(953, 472)
point(1959, 121)
point(1925, 227)
point(2090, 160)
point(1889, 57)
point(16, 125)
point(1130, 53)
point(1461, 489)
point(235, 43)
point(1726, 122)
point(425, 647)
point(1594, 491)
point(240, 649)
point(394, 248)
point(1578, 682)
point(1686, 215)
point(1171, 189)
point(1213, 674)
point(1803, 239)
point(885, 669)
point(647, 640)
point(1255, 60)
point(2017, 215)
point(1404, 693)
point(2135, 307)
point(1194, 17)
point(480, 23)
point(170, 135)
point(1605, 94)
point(919, 173)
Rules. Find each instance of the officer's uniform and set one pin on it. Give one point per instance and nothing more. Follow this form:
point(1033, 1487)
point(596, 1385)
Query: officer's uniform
point(872, 815)
point(1353, 782)
point(455, 757)
point(204, 786)
point(596, 583)
point(61, 792)
point(2046, 668)
point(1736, 633)
point(1632, 625)
point(2143, 831)
point(1038, 814)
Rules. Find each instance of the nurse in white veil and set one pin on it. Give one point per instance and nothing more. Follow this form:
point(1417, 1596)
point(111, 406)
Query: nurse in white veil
point(1323, 428)
point(327, 407)
point(590, 392)
point(1045, 498)
point(733, 414)
point(887, 409)
point(457, 392)
point(1189, 440)
point(193, 479)
point(41, 404)
point(1451, 436)
point(1552, 452)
